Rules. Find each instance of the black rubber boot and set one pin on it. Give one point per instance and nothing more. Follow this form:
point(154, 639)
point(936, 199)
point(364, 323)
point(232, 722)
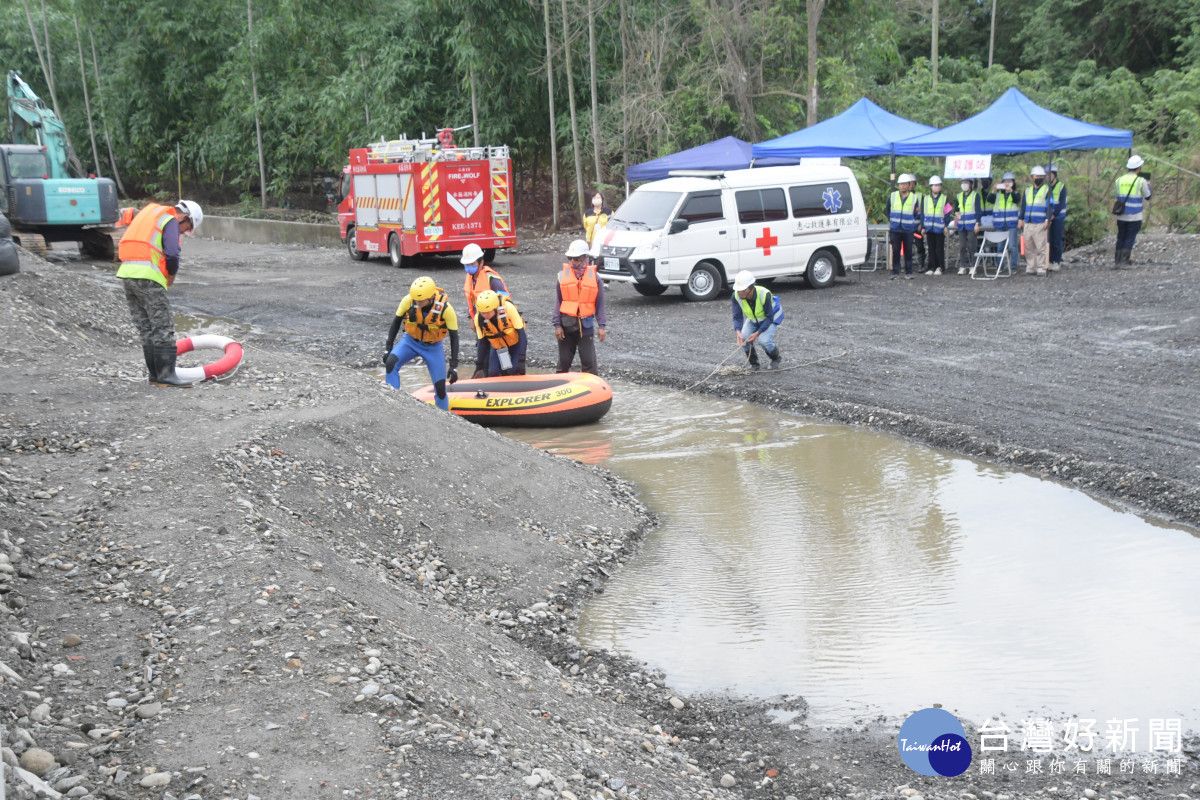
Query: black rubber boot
point(1117, 254)
point(776, 359)
point(151, 367)
point(753, 357)
point(164, 360)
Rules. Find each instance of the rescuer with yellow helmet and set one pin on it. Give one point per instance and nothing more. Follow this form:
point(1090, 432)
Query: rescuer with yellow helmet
point(501, 331)
point(427, 316)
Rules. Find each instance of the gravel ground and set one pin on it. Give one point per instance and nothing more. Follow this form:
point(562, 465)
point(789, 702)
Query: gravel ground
point(298, 583)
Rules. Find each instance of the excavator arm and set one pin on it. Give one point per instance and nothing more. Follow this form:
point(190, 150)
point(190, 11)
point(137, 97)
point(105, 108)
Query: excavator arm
point(31, 121)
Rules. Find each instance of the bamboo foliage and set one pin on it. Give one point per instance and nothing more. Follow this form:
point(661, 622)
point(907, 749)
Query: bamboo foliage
point(570, 81)
point(261, 107)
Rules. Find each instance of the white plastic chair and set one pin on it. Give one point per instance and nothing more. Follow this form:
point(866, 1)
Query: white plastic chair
point(1003, 265)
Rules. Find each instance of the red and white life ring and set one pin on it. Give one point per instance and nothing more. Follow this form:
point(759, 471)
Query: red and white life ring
point(219, 368)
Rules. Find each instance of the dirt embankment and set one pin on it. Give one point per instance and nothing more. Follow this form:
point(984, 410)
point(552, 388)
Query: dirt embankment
point(299, 583)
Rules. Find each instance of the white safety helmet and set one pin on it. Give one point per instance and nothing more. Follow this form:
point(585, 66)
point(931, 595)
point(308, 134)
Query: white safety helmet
point(471, 253)
point(743, 280)
point(194, 213)
point(906, 178)
point(1134, 162)
point(1038, 172)
point(935, 181)
point(1008, 176)
point(577, 249)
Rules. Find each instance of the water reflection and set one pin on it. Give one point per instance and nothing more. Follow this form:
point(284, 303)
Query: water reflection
point(868, 574)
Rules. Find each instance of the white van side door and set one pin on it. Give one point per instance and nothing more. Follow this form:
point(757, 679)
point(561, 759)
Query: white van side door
point(709, 235)
point(824, 216)
point(764, 241)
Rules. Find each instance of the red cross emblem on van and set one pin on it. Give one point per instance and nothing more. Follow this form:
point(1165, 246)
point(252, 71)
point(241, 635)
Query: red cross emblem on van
point(766, 241)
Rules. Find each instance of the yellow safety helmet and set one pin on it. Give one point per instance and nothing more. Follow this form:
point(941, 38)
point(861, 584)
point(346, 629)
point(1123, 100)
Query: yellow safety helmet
point(422, 289)
point(487, 301)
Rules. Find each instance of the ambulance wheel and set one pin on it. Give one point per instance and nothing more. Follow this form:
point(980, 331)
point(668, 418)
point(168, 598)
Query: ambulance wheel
point(649, 289)
point(489, 256)
point(395, 254)
point(705, 283)
point(822, 268)
point(352, 245)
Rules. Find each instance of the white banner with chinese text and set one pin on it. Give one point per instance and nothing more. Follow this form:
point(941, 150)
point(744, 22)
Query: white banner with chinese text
point(968, 166)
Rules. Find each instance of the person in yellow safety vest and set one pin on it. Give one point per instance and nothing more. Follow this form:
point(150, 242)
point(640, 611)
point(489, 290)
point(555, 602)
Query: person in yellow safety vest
point(149, 253)
point(904, 219)
point(480, 277)
point(935, 211)
point(1037, 209)
point(1058, 193)
point(596, 218)
point(427, 317)
point(579, 313)
point(502, 342)
point(754, 319)
point(1006, 213)
point(967, 216)
point(1132, 192)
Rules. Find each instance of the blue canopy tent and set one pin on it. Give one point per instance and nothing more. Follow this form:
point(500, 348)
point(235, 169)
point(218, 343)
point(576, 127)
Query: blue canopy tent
point(862, 130)
point(728, 153)
point(1014, 124)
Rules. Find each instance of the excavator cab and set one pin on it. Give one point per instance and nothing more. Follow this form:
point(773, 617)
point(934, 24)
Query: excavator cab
point(25, 164)
point(19, 162)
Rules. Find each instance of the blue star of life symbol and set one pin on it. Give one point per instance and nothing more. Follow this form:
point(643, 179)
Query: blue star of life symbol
point(833, 199)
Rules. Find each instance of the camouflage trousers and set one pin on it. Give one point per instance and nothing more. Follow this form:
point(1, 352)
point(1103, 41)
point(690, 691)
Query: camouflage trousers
point(151, 311)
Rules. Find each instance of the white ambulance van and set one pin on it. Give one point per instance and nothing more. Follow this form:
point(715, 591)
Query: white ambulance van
point(697, 229)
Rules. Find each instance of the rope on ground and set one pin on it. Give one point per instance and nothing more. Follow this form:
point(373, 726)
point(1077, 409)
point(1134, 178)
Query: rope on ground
point(797, 366)
point(732, 353)
point(737, 348)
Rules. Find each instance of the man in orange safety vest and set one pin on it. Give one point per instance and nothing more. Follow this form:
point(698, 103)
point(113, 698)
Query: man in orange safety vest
point(149, 253)
point(579, 315)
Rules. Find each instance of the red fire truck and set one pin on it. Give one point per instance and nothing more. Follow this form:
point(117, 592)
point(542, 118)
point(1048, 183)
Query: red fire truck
point(412, 196)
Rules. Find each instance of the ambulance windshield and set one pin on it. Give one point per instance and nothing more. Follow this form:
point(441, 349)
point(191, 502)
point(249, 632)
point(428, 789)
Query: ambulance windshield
point(644, 211)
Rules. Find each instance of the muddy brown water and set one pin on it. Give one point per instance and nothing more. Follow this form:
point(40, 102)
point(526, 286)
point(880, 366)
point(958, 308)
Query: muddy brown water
point(873, 577)
point(194, 324)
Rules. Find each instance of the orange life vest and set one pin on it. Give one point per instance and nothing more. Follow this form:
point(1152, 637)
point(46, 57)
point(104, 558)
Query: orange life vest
point(427, 325)
point(141, 248)
point(500, 331)
point(578, 294)
point(480, 282)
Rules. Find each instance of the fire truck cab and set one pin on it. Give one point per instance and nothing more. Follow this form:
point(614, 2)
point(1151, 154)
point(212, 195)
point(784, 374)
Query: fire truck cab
point(408, 197)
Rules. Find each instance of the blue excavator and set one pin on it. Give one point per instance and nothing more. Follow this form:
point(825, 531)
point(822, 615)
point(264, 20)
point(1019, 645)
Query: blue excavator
point(43, 190)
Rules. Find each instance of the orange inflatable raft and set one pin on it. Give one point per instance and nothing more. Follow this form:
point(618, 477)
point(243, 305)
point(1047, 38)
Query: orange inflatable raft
point(528, 401)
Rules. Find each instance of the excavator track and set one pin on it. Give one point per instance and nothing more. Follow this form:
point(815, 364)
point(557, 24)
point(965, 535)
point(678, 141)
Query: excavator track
point(34, 243)
point(99, 245)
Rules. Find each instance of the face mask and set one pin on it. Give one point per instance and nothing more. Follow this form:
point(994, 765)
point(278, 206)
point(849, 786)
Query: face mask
point(471, 268)
point(1037, 181)
point(966, 187)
